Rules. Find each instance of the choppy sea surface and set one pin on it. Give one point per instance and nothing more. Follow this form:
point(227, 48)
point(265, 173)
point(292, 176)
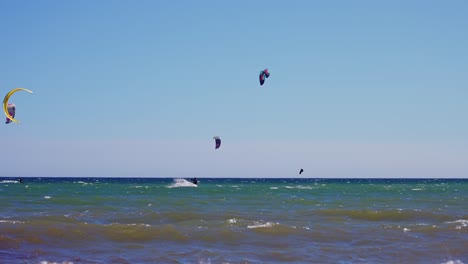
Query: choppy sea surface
point(143, 220)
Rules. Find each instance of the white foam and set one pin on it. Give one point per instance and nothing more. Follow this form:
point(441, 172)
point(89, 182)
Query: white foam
point(145, 225)
point(47, 197)
point(232, 221)
point(11, 222)
point(462, 222)
point(301, 187)
point(453, 262)
point(131, 224)
point(9, 181)
point(53, 262)
point(83, 183)
point(181, 183)
point(274, 188)
point(260, 225)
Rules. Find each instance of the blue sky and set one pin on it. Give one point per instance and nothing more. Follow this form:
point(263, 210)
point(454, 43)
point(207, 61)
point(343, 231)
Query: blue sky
point(139, 88)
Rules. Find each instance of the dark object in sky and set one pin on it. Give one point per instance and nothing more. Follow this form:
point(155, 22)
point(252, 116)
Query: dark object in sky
point(218, 142)
point(301, 171)
point(263, 74)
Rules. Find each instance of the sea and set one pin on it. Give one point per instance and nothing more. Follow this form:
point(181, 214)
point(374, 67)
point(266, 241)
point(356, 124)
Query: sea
point(233, 220)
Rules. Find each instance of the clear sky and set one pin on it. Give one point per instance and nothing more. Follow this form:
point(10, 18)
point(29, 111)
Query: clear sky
point(139, 88)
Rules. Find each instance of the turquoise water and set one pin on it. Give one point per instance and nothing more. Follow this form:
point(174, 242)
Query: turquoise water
point(138, 220)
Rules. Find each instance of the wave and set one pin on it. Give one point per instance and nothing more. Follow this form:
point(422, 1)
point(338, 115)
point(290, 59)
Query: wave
point(13, 236)
point(262, 225)
point(181, 183)
point(463, 222)
point(11, 222)
point(83, 183)
point(275, 228)
point(53, 262)
point(385, 215)
point(139, 186)
point(9, 181)
point(453, 262)
point(301, 187)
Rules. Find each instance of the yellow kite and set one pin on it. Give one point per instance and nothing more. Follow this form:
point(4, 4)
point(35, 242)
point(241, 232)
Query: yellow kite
point(5, 103)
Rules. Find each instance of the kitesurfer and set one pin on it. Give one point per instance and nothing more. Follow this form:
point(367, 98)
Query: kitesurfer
point(195, 181)
point(20, 180)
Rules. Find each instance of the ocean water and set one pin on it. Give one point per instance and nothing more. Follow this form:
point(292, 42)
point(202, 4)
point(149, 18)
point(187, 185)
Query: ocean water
point(141, 220)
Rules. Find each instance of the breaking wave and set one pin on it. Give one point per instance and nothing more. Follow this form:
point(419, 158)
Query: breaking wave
point(181, 183)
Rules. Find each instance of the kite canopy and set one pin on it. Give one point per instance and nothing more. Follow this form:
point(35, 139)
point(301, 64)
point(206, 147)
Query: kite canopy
point(218, 142)
point(301, 171)
point(11, 110)
point(263, 74)
point(5, 104)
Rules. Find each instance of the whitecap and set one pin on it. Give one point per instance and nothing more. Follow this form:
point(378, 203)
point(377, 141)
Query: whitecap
point(232, 221)
point(131, 224)
point(260, 225)
point(9, 181)
point(11, 222)
point(274, 188)
point(53, 262)
point(47, 197)
point(301, 187)
point(461, 223)
point(453, 262)
point(181, 183)
point(83, 183)
point(145, 225)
